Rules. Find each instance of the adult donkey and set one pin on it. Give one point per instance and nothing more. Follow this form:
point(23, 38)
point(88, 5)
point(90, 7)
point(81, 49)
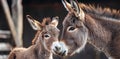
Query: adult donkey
point(97, 26)
point(44, 42)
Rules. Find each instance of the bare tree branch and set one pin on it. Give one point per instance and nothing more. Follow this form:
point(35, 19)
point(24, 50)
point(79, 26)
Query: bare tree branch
point(17, 14)
point(9, 19)
point(16, 21)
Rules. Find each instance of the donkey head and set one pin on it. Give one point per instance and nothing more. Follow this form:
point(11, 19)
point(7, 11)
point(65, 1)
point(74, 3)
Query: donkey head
point(74, 33)
point(47, 34)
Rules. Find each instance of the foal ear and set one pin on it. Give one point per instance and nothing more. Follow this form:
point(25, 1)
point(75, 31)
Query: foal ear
point(54, 21)
point(35, 24)
point(66, 5)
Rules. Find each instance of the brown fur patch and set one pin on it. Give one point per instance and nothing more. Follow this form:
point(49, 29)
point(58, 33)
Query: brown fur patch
point(45, 20)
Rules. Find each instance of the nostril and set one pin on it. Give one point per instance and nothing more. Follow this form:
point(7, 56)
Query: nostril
point(63, 53)
point(57, 48)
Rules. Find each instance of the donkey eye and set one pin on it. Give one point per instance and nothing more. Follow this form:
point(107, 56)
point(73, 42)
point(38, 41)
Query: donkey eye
point(71, 28)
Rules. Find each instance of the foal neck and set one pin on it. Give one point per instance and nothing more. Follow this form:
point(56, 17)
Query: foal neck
point(41, 52)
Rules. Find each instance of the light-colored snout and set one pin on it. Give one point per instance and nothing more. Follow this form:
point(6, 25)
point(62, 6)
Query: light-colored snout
point(59, 48)
point(56, 46)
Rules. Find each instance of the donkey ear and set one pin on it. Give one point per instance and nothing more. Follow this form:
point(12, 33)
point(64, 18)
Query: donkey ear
point(54, 21)
point(67, 5)
point(35, 24)
point(75, 6)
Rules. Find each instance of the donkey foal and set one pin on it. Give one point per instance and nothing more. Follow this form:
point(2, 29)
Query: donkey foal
point(43, 43)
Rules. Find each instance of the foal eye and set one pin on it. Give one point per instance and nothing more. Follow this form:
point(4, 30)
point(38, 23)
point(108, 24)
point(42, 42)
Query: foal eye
point(46, 36)
point(71, 28)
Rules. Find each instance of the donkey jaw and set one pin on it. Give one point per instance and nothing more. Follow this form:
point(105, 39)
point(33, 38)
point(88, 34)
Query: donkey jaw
point(67, 51)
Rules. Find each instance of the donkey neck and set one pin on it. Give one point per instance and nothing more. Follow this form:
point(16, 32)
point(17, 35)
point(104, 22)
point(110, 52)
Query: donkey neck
point(101, 30)
point(41, 52)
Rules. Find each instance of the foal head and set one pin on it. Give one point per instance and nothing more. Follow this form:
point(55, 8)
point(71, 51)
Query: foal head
point(47, 32)
point(74, 33)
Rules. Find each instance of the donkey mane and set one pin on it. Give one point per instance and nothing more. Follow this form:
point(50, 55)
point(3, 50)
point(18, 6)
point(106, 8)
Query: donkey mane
point(36, 36)
point(99, 11)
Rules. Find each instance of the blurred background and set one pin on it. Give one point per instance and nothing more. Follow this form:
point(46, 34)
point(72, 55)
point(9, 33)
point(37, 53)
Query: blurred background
point(39, 9)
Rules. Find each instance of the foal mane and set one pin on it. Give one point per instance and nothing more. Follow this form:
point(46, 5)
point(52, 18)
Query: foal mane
point(45, 22)
point(99, 11)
